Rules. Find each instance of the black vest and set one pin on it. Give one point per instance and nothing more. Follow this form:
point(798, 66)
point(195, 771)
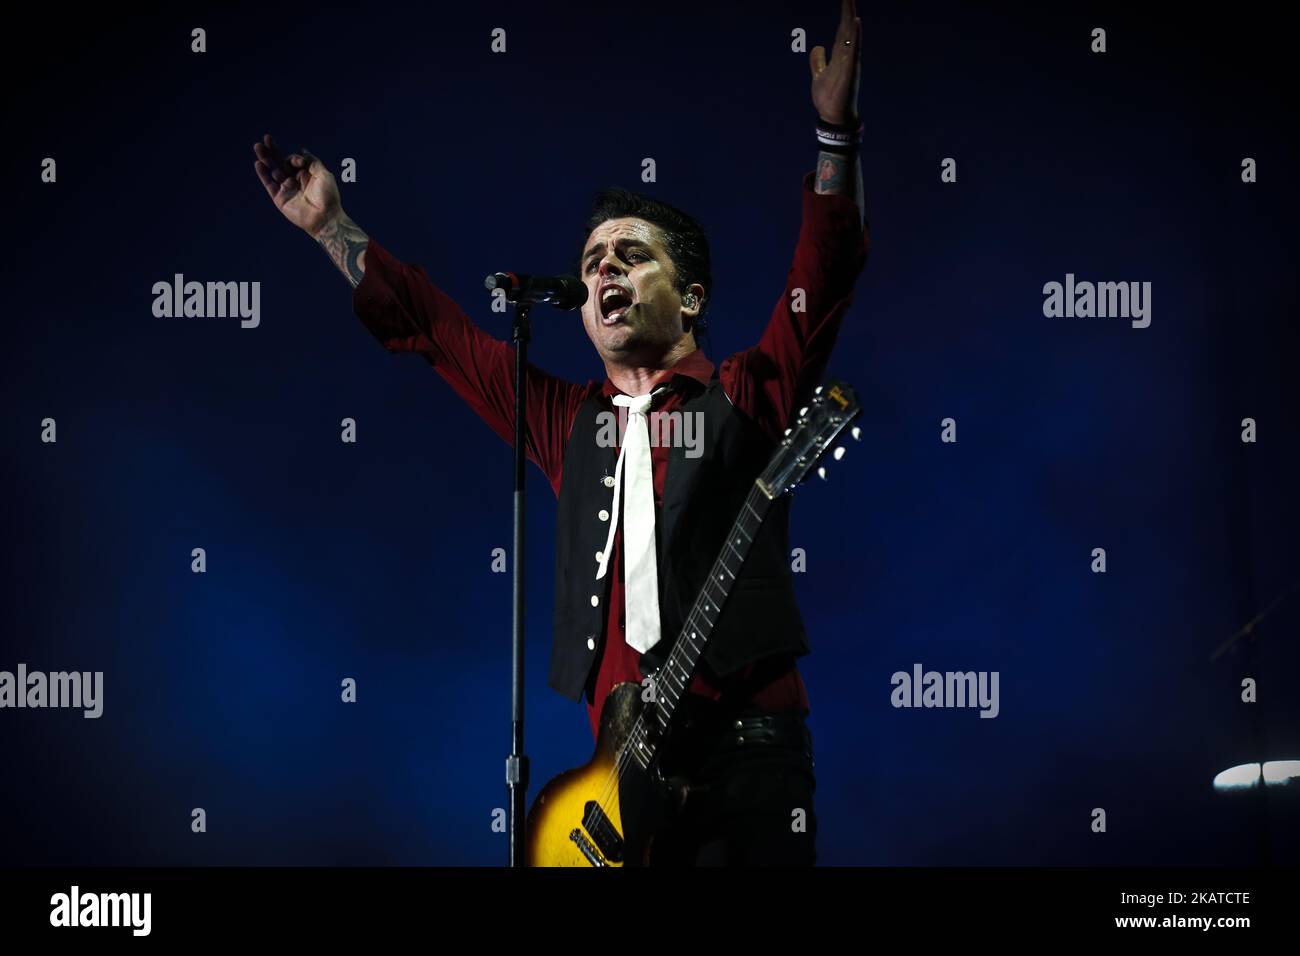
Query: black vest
point(702, 497)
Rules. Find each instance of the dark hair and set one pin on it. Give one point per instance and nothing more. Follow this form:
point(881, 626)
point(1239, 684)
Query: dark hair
point(684, 238)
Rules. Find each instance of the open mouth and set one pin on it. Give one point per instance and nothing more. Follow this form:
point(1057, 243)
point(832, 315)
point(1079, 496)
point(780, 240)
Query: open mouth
point(614, 303)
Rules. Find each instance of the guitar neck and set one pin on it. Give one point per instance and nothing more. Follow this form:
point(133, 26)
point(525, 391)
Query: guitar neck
point(675, 676)
point(804, 444)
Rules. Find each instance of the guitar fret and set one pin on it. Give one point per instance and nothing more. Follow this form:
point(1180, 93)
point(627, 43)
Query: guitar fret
point(640, 755)
point(675, 676)
point(635, 742)
point(664, 715)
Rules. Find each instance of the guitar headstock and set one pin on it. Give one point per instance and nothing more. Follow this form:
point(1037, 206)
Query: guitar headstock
point(808, 439)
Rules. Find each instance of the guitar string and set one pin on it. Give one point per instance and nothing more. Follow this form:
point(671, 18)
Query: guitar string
point(626, 753)
point(639, 730)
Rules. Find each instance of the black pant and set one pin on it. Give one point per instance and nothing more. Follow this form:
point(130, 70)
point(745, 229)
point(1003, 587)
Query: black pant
point(749, 804)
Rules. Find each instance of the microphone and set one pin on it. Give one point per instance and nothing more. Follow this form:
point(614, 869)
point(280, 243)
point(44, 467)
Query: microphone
point(563, 292)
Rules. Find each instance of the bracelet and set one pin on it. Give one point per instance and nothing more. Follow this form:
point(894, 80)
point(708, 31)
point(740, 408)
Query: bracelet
point(839, 137)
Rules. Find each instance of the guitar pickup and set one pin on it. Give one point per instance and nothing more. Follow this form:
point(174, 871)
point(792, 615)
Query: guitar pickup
point(602, 832)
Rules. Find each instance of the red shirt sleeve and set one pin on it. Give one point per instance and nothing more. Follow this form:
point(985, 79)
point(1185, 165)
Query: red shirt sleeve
point(766, 380)
point(406, 312)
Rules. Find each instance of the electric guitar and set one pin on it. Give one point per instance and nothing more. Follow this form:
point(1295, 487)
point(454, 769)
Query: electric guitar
point(606, 812)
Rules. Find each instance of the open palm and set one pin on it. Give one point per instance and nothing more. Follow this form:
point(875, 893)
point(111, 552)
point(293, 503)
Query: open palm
point(299, 185)
point(835, 84)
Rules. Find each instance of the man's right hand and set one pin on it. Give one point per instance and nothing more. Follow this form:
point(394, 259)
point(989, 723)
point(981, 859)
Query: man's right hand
point(299, 185)
point(308, 195)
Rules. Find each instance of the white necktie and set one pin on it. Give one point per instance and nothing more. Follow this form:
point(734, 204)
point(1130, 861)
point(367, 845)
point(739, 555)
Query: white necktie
point(640, 565)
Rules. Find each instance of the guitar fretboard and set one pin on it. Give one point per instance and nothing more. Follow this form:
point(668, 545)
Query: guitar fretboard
point(675, 675)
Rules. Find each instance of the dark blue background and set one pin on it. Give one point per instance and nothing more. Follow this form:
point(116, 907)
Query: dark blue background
point(372, 560)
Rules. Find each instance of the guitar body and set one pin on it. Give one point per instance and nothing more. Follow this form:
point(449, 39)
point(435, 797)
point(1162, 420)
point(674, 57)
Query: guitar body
point(590, 816)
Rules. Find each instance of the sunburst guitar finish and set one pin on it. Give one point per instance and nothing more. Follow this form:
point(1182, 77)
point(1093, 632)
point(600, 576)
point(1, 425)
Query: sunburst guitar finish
point(593, 816)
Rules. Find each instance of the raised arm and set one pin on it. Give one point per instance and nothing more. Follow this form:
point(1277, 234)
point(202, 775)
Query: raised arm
point(406, 312)
point(305, 191)
point(835, 97)
point(770, 379)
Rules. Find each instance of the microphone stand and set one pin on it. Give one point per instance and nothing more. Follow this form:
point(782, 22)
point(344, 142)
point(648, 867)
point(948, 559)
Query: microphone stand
point(517, 762)
point(526, 289)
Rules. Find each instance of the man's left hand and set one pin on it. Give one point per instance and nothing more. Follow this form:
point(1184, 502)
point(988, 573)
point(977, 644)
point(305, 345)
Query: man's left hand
point(835, 84)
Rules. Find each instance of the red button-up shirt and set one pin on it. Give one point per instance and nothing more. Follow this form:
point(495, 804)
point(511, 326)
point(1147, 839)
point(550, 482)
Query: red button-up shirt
point(406, 312)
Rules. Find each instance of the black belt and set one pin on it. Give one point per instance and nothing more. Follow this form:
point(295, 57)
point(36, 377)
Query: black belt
point(706, 732)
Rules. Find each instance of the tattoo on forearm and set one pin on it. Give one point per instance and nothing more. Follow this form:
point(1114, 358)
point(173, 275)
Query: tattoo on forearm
point(841, 174)
point(833, 172)
point(345, 243)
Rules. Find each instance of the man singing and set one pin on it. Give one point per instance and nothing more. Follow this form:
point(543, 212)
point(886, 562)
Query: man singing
point(631, 557)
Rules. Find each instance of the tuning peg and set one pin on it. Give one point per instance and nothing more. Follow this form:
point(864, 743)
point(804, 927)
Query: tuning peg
point(803, 411)
point(856, 432)
point(788, 430)
point(817, 390)
point(839, 453)
point(821, 473)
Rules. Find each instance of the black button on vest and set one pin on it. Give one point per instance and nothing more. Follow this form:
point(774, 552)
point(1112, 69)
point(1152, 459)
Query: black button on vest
point(702, 497)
